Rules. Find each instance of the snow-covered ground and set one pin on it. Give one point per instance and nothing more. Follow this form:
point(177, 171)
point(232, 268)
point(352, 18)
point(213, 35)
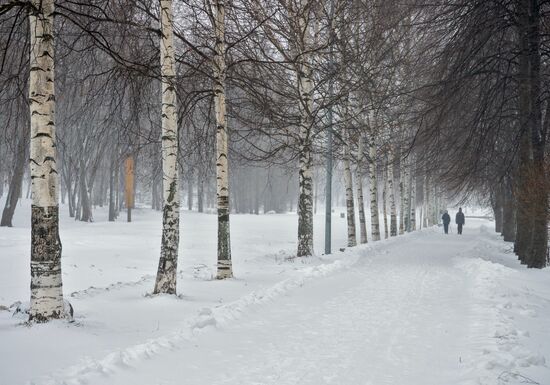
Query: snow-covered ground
point(423, 308)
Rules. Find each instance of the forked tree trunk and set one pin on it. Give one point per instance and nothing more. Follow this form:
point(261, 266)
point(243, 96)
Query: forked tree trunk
point(46, 278)
point(375, 224)
point(360, 199)
point(350, 206)
point(167, 270)
point(225, 269)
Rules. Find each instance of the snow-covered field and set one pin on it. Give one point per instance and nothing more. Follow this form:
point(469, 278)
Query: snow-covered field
point(423, 308)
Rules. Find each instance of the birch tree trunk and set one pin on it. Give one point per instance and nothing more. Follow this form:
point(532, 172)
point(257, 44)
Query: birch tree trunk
point(435, 205)
point(225, 269)
point(425, 203)
point(167, 269)
point(352, 240)
point(384, 202)
point(360, 199)
point(413, 198)
point(46, 278)
point(393, 209)
point(375, 224)
point(401, 196)
point(305, 176)
point(407, 196)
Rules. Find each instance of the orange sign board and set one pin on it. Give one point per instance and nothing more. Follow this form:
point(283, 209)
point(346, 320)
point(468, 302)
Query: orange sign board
point(129, 181)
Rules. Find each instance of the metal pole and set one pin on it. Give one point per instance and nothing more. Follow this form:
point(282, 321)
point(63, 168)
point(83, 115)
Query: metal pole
point(328, 189)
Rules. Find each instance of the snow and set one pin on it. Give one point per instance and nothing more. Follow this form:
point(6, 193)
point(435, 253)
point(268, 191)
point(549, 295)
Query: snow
point(423, 308)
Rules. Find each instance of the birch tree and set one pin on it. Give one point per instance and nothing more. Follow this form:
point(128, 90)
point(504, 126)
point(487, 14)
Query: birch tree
point(375, 224)
point(46, 278)
point(167, 269)
point(413, 197)
point(406, 213)
point(393, 209)
point(350, 206)
point(385, 201)
point(359, 182)
point(225, 269)
point(425, 202)
point(304, 75)
point(402, 192)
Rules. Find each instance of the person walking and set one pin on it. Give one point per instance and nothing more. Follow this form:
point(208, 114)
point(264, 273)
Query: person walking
point(446, 220)
point(460, 220)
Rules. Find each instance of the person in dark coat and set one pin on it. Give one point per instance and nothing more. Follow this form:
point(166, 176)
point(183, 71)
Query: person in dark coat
point(460, 220)
point(446, 220)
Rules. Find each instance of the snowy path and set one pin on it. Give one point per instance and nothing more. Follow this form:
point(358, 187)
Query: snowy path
point(380, 322)
point(423, 309)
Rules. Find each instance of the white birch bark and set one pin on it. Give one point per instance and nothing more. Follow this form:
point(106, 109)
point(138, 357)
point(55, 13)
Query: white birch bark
point(413, 195)
point(385, 202)
point(360, 199)
point(401, 196)
point(427, 202)
point(167, 269)
point(352, 240)
point(435, 206)
point(375, 224)
point(393, 209)
point(407, 196)
point(305, 90)
point(225, 268)
point(46, 279)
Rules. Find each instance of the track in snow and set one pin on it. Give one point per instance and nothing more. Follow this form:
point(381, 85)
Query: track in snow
point(390, 319)
point(422, 309)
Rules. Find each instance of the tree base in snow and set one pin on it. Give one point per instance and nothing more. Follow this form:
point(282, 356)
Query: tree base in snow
point(225, 270)
point(46, 279)
point(22, 311)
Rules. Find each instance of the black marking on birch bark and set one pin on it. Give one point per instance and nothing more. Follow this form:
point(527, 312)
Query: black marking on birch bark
point(42, 134)
point(166, 280)
point(45, 263)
